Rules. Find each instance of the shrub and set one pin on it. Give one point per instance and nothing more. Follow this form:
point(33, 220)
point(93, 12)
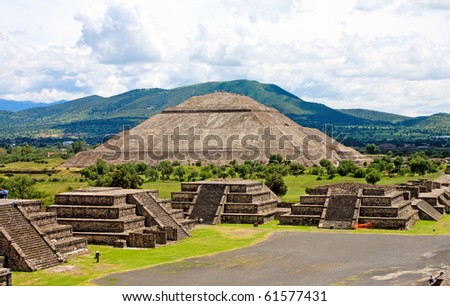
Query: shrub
point(373, 176)
point(276, 183)
point(360, 173)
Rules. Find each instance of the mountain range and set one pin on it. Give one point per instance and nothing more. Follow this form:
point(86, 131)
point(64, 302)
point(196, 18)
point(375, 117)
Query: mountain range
point(93, 117)
point(15, 106)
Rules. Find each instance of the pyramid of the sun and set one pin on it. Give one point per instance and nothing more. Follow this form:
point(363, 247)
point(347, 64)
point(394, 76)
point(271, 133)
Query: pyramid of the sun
point(217, 128)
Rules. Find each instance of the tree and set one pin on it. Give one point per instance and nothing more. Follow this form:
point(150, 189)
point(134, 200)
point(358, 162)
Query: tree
point(151, 174)
point(296, 169)
point(126, 177)
point(21, 187)
point(419, 163)
point(325, 163)
point(77, 146)
point(346, 167)
point(193, 176)
point(166, 169)
point(373, 176)
point(275, 159)
point(179, 172)
point(205, 174)
point(360, 173)
point(372, 149)
point(276, 183)
point(232, 172)
point(398, 161)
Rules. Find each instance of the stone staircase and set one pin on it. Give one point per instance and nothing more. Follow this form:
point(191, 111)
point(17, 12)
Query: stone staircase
point(208, 200)
point(35, 251)
point(426, 211)
point(158, 214)
point(311, 210)
point(340, 212)
point(61, 236)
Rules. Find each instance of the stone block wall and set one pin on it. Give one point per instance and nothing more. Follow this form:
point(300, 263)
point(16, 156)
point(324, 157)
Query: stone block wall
point(413, 190)
point(376, 201)
point(183, 196)
point(306, 209)
point(92, 212)
point(141, 240)
point(187, 187)
point(13, 255)
point(373, 192)
point(111, 226)
point(91, 200)
point(5, 277)
point(319, 191)
point(313, 199)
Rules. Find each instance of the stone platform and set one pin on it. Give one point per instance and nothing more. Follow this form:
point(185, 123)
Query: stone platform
point(345, 209)
point(120, 217)
point(226, 201)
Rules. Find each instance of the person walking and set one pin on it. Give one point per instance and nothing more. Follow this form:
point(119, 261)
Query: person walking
point(97, 256)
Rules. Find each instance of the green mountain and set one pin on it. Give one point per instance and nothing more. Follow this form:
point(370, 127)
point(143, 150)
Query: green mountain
point(15, 106)
point(374, 115)
point(93, 117)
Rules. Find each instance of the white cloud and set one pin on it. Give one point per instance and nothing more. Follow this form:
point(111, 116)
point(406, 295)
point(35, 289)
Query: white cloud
point(371, 5)
point(120, 35)
point(366, 54)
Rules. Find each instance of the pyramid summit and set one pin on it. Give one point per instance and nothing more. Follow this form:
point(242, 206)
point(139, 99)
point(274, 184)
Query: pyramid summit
point(218, 128)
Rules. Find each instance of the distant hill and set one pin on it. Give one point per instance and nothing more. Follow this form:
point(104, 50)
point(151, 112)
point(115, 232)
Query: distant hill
point(374, 115)
point(94, 116)
point(15, 106)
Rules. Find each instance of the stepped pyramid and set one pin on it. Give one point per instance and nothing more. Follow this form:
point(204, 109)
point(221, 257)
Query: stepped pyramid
point(217, 128)
point(226, 201)
point(32, 240)
point(351, 204)
point(121, 217)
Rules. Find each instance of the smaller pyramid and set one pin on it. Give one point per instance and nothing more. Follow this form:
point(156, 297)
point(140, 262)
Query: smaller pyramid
point(218, 128)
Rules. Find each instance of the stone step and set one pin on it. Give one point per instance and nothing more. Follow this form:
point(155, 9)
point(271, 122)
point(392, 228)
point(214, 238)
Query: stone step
point(427, 209)
point(43, 218)
point(57, 231)
point(71, 244)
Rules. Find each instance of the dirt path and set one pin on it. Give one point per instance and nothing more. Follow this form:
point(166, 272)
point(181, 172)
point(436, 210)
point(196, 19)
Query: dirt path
point(294, 258)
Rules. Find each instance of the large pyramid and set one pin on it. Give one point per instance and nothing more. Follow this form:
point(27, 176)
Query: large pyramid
point(217, 128)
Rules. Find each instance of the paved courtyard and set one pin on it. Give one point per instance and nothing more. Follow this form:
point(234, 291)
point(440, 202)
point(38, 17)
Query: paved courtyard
point(294, 258)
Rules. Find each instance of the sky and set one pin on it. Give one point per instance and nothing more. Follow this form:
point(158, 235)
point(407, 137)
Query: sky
point(391, 56)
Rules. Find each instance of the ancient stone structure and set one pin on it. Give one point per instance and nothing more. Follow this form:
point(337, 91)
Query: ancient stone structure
point(435, 193)
point(217, 128)
point(121, 217)
point(346, 208)
point(348, 205)
point(5, 273)
point(226, 201)
point(32, 240)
